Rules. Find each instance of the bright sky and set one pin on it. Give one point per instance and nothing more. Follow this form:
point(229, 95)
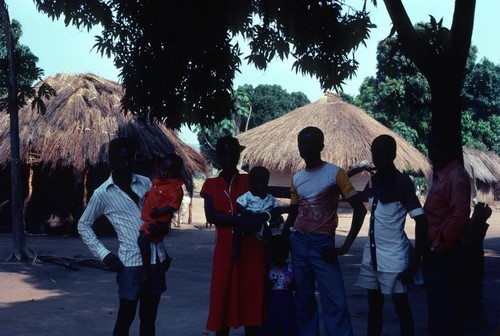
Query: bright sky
point(66, 49)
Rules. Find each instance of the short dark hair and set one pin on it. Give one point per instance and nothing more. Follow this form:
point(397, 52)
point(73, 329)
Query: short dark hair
point(386, 141)
point(177, 162)
point(316, 133)
point(118, 143)
point(256, 171)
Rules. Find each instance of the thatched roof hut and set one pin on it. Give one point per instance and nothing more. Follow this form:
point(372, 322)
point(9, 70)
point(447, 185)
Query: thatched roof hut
point(79, 123)
point(348, 131)
point(66, 148)
point(484, 169)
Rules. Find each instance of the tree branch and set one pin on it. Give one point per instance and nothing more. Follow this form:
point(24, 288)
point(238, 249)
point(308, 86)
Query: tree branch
point(407, 35)
point(461, 35)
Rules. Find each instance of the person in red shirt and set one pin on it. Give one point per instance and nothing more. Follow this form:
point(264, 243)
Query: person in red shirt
point(161, 201)
point(447, 208)
point(237, 287)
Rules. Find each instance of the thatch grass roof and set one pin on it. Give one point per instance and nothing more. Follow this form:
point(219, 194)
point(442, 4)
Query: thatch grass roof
point(349, 132)
point(483, 165)
point(79, 123)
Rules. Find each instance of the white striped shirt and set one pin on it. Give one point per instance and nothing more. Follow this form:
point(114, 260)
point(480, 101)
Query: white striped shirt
point(125, 216)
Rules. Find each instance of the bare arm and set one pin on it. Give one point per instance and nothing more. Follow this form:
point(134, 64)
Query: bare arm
point(358, 216)
point(158, 212)
point(215, 217)
point(420, 237)
point(293, 212)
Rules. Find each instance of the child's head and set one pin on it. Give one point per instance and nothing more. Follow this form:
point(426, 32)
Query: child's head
point(258, 178)
point(279, 250)
point(169, 166)
point(311, 142)
point(383, 152)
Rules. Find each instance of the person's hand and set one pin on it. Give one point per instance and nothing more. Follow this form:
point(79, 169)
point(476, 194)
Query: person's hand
point(113, 262)
point(253, 223)
point(413, 264)
point(276, 212)
point(158, 229)
point(262, 217)
point(330, 255)
point(286, 231)
point(156, 213)
point(407, 275)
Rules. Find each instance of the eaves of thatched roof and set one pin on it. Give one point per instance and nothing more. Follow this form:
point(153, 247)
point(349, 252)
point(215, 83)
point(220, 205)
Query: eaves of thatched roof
point(348, 130)
point(482, 165)
point(79, 123)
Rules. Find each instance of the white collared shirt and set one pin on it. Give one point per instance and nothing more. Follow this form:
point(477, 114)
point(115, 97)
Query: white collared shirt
point(396, 200)
point(125, 216)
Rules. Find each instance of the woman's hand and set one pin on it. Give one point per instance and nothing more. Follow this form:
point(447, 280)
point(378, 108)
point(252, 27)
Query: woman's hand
point(252, 223)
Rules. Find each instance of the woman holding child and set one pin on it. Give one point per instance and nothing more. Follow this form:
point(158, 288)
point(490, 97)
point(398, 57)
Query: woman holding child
point(237, 286)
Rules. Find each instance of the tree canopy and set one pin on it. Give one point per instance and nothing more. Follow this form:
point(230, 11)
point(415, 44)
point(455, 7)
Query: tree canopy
point(254, 107)
point(178, 59)
point(399, 97)
point(26, 68)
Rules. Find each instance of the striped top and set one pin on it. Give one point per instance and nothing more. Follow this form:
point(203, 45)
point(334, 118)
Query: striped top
point(125, 216)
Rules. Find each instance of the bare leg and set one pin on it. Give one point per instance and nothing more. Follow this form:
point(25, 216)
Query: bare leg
point(125, 317)
point(148, 309)
point(403, 311)
point(143, 242)
point(375, 312)
point(223, 332)
point(252, 330)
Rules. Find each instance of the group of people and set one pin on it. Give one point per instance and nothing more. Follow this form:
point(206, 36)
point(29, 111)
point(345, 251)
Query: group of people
point(265, 280)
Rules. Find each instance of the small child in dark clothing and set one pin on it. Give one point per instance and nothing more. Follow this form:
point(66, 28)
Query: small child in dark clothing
point(281, 320)
point(160, 202)
point(256, 201)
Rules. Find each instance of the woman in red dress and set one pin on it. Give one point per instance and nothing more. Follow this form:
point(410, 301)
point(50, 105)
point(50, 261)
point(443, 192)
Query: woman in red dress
point(237, 287)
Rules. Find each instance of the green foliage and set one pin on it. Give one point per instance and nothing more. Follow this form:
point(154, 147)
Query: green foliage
point(270, 102)
point(26, 69)
point(178, 59)
point(481, 89)
point(261, 104)
point(208, 135)
point(399, 96)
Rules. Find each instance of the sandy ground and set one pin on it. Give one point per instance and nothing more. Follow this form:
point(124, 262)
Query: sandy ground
point(48, 299)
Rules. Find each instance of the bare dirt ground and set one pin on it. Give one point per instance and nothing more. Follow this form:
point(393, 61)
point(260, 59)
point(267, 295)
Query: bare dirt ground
point(49, 299)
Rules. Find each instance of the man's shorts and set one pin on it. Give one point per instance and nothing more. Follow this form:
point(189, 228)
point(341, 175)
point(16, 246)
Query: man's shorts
point(130, 289)
point(387, 282)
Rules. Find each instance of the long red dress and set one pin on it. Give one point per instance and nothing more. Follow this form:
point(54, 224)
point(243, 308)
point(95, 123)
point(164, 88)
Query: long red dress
point(237, 287)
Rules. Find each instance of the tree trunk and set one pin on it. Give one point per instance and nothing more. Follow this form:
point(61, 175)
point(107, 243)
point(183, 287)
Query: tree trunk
point(444, 71)
point(446, 113)
point(20, 251)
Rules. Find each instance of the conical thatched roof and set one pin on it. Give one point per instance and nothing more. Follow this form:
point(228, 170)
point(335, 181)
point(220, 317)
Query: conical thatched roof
point(349, 132)
point(482, 165)
point(79, 123)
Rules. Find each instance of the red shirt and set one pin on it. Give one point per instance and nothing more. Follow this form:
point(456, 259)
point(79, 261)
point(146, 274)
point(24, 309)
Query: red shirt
point(163, 192)
point(448, 206)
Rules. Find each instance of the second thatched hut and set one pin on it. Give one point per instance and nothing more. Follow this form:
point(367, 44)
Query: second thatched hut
point(348, 130)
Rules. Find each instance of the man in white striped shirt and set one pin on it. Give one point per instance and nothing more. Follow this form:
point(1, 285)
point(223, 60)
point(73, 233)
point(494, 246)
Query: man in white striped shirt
point(120, 199)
